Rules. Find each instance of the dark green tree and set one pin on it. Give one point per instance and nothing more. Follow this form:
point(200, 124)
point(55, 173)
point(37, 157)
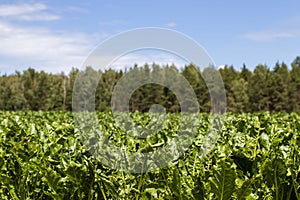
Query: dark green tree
point(229, 74)
point(239, 98)
point(278, 88)
point(258, 89)
point(294, 89)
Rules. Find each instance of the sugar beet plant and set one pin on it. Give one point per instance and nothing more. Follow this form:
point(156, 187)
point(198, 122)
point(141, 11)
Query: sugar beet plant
point(256, 156)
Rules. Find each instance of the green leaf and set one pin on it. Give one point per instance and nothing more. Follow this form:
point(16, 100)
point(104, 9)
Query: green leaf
point(245, 190)
point(176, 184)
point(223, 181)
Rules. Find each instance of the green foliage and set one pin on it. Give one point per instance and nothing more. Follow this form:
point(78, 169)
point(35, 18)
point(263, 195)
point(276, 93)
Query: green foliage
point(256, 157)
point(223, 181)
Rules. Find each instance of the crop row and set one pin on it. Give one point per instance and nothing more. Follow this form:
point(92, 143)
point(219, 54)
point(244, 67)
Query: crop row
point(46, 155)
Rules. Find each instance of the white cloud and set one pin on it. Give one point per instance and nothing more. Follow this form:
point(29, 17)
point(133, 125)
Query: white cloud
point(272, 35)
point(12, 9)
point(221, 67)
point(42, 48)
point(39, 17)
point(171, 24)
point(140, 59)
point(28, 12)
point(24, 46)
point(284, 29)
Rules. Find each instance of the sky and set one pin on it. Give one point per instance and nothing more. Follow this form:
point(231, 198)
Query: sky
point(55, 35)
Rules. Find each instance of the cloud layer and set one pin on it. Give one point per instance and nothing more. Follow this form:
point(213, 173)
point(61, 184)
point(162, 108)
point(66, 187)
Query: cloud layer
point(28, 12)
point(56, 51)
point(288, 28)
point(35, 46)
point(143, 57)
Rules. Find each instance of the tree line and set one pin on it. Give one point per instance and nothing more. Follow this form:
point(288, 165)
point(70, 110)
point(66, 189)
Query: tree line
point(275, 89)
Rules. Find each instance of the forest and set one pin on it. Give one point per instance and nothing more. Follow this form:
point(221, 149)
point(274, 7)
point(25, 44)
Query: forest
point(265, 88)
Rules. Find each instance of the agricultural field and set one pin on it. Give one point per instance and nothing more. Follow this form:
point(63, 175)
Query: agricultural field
point(43, 156)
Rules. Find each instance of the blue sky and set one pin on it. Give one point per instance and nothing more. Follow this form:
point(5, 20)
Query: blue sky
point(57, 35)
